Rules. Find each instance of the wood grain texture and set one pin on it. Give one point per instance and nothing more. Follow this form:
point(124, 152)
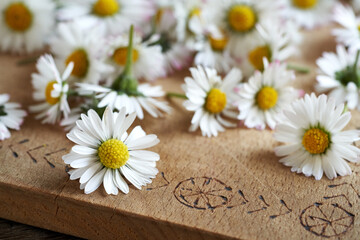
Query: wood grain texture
point(227, 187)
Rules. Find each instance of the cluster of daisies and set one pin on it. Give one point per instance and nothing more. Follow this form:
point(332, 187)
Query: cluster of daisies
point(106, 54)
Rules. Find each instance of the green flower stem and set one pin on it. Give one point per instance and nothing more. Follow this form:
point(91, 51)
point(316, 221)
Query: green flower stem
point(178, 95)
point(126, 82)
point(299, 69)
point(129, 55)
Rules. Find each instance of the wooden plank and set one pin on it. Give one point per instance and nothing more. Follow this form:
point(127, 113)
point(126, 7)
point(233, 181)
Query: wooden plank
point(231, 186)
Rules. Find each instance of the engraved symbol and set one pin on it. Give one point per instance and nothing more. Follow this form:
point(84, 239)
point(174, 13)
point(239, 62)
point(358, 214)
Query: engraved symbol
point(203, 193)
point(326, 220)
point(164, 184)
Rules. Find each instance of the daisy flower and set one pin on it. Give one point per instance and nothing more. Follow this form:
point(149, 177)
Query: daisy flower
point(11, 116)
point(214, 51)
point(115, 16)
point(24, 24)
point(273, 43)
point(126, 92)
point(307, 13)
point(148, 61)
point(265, 95)
point(211, 98)
point(176, 55)
point(339, 75)
point(51, 89)
point(105, 154)
point(311, 127)
point(190, 22)
point(73, 43)
point(349, 34)
point(239, 19)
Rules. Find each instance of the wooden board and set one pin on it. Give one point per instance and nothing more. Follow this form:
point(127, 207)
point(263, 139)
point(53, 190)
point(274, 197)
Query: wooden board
point(231, 186)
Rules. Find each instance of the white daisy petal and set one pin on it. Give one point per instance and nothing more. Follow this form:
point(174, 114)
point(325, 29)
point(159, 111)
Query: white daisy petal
point(109, 184)
point(95, 182)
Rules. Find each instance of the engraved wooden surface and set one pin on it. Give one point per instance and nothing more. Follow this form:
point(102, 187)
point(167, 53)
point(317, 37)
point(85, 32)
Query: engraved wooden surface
point(231, 186)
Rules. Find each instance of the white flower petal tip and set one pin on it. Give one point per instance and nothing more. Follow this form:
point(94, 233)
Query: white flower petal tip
point(105, 154)
point(11, 116)
point(315, 144)
point(264, 96)
point(211, 98)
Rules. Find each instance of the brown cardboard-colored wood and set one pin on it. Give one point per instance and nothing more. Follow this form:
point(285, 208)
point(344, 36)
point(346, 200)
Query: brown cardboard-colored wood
point(231, 186)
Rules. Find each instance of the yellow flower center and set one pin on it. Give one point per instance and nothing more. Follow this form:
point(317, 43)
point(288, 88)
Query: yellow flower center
point(218, 44)
point(215, 101)
point(195, 12)
point(104, 8)
point(49, 99)
point(113, 153)
point(304, 4)
point(266, 98)
point(119, 55)
point(241, 18)
point(18, 17)
point(257, 55)
point(358, 27)
point(81, 63)
point(316, 141)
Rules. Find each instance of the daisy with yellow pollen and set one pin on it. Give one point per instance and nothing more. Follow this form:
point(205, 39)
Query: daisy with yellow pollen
point(350, 31)
point(106, 154)
point(11, 116)
point(125, 91)
point(24, 24)
point(115, 16)
point(148, 61)
point(51, 89)
point(315, 143)
point(307, 13)
point(214, 51)
point(265, 95)
point(73, 43)
point(273, 43)
point(239, 19)
point(211, 98)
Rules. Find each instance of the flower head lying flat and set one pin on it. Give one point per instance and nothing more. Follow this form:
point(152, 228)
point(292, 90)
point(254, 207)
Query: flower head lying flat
point(315, 143)
point(25, 24)
point(106, 154)
point(211, 98)
point(265, 95)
